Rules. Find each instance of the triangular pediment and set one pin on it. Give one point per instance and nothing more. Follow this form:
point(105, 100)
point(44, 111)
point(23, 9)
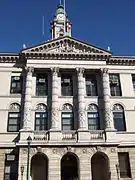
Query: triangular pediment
point(66, 45)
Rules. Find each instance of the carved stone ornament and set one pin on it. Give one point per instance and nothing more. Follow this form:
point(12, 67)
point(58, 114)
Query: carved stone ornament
point(82, 116)
point(54, 151)
point(39, 149)
point(55, 70)
point(67, 107)
point(105, 70)
point(117, 107)
point(84, 151)
point(92, 107)
point(80, 71)
point(66, 47)
point(41, 107)
point(14, 107)
point(99, 148)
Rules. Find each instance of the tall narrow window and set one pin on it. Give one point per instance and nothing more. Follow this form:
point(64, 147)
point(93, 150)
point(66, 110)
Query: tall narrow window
point(93, 117)
point(115, 85)
point(119, 117)
point(41, 85)
point(41, 120)
point(67, 118)
point(91, 86)
point(124, 165)
point(66, 85)
point(11, 167)
point(133, 81)
point(16, 83)
point(14, 117)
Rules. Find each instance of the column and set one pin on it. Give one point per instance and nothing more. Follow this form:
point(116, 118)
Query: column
point(27, 121)
point(55, 103)
point(108, 116)
point(81, 104)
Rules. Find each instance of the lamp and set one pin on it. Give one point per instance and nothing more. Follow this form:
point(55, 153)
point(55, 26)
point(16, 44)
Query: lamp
point(29, 140)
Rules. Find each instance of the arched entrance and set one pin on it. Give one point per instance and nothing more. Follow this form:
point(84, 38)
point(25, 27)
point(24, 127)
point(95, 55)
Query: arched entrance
point(100, 167)
point(39, 167)
point(69, 167)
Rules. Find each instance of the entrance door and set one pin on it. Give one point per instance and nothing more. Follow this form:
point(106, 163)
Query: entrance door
point(39, 167)
point(69, 167)
point(100, 167)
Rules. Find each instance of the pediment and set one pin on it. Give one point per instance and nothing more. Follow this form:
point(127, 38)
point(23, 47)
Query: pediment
point(66, 45)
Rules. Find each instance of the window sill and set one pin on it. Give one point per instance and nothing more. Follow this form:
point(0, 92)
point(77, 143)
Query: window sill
point(91, 96)
point(65, 96)
point(39, 96)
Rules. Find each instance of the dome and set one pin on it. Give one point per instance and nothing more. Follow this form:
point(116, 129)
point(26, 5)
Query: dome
point(60, 9)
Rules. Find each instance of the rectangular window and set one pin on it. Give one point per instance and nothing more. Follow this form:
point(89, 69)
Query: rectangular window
point(115, 85)
point(41, 85)
point(66, 85)
point(11, 167)
point(13, 121)
point(16, 83)
point(133, 81)
point(41, 121)
point(67, 121)
point(124, 165)
point(91, 86)
point(93, 121)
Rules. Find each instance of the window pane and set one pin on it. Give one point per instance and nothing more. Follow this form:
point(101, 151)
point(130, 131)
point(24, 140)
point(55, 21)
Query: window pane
point(13, 121)
point(66, 85)
point(124, 165)
point(40, 121)
point(93, 121)
point(91, 86)
point(41, 85)
point(12, 128)
point(119, 121)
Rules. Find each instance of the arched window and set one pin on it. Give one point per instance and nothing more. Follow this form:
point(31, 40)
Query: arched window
point(67, 117)
point(93, 117)
point(14, 117)
point(119, 117)
point(41, 118)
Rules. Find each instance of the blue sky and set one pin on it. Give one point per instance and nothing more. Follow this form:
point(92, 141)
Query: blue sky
point(100, 22)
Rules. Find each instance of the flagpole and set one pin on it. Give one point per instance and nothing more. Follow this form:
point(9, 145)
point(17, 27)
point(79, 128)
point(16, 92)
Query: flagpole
point(65, 17)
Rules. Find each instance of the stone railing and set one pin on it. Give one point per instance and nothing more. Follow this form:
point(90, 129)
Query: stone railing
point(69, 135)
point(97, 135)
point(40, 136)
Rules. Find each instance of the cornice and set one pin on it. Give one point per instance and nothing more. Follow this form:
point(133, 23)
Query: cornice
point(66, 56)
point(121, 60)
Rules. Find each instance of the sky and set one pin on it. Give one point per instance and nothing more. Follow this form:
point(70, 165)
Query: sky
point(102, 23)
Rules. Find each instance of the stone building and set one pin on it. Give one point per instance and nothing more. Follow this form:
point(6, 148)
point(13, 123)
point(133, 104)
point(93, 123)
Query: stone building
point(67, 111)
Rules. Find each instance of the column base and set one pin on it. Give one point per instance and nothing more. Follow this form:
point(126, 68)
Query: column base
point(83, 135)
point(110, 135)
point(55, 135)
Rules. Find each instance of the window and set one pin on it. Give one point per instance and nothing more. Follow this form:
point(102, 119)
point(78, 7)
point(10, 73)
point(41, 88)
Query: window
point(41, 118)
point(119, 117)
point(91, 86)
point(14, 117)
point(41, 85)
point(16, 83)
point(115, 85)
point(93, 117)
point(66, 85)
point(133, 81)
point(124, 165)
point(67, 118)
point(11, 167)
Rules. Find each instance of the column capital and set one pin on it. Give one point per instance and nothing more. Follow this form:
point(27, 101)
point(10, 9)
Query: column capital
point(55, 70)
point(29, 69)
point(104, 70)
point(80, 71)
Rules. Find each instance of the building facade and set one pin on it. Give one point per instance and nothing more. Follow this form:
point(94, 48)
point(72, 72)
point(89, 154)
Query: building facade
point(67, 111)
